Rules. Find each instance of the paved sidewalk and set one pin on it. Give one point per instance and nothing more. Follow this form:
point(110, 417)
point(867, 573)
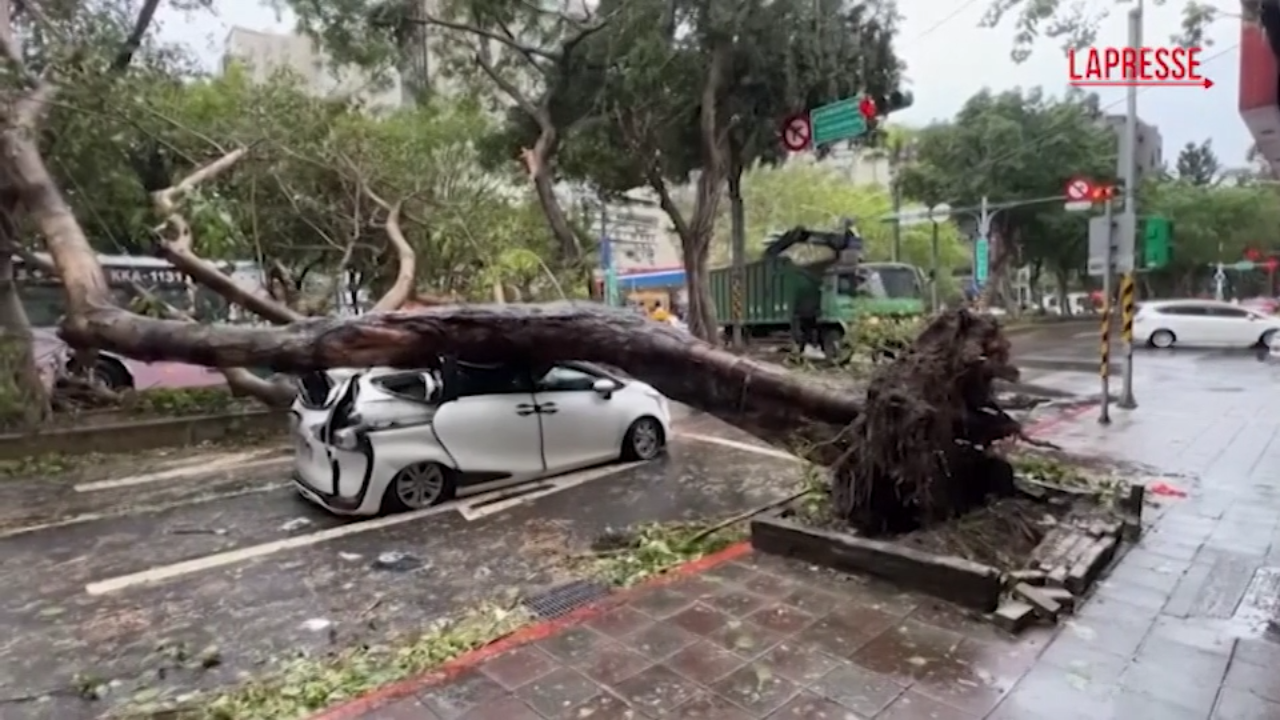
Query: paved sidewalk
point(1176, 632)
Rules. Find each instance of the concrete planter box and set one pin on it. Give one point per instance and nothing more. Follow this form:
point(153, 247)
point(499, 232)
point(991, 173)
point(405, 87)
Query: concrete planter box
point(953, 579)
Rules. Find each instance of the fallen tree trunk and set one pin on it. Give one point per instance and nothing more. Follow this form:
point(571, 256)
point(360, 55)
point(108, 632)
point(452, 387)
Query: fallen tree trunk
point(763, 399)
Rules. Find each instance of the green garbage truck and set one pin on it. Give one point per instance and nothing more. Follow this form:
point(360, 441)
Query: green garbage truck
point(813, 302)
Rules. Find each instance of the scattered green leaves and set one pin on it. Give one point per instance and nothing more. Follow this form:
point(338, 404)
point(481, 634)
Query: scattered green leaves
point(630, 556)
point(309, 684)
point(185, 402)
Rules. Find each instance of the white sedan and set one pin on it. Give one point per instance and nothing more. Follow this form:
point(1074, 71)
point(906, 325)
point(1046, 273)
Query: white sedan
point(387, 440)
point(1202, 323)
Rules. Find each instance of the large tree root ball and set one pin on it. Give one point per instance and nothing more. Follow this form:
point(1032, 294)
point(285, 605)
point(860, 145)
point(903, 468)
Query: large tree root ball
point(919, 453)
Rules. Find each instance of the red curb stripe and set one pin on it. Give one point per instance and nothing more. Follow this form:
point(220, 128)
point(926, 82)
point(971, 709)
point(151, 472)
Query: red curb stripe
point(355, 708)
point(374, 699)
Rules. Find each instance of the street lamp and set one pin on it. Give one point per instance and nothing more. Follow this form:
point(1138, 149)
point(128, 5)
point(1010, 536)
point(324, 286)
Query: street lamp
point(938, 213)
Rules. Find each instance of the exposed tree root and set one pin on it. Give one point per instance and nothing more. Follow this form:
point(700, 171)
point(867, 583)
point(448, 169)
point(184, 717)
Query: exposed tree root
point(920, 451)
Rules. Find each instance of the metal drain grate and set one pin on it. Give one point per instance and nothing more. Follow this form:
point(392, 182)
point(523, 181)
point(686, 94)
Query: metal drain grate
point(562, 600)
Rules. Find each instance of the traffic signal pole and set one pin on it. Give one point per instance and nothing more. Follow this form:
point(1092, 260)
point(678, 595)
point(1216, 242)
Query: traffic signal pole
point(1129, 219)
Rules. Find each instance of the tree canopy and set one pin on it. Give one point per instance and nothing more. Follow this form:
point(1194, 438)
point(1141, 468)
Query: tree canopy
point(1017, 147)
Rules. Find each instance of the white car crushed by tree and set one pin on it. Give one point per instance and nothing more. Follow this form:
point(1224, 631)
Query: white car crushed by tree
point(386, 440)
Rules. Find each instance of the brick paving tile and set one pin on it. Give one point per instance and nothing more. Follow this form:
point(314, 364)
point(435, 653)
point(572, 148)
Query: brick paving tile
point(659, 640)
point(782, 619)
point(660, 601)
point(705, 662)
point(711, 707)
point(506, 708)
point(518, 667)
point(466, 691)
point(612, 663)
point(735, 600)
point(911, 705)
point(863, 691)
point(808, 706)
point(574, 644)
point(619, 621)
point(657, 690)
point(605, 706)
point(745, 637)
point(800, 663)
point(756, 688)
point(407, 709)
point(555, 694)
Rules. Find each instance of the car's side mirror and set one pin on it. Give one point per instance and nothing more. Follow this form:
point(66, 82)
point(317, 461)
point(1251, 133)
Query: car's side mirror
point(605, 388)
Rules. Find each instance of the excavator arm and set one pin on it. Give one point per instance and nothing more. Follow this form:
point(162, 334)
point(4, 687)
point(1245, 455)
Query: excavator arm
point(840, 242)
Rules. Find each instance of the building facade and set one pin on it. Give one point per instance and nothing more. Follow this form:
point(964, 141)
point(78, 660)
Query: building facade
point(1150, 147)
point(263, 54)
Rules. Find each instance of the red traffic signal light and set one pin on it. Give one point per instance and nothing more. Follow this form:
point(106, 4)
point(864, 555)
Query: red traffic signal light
point(867, 107)
point(1252, 255)
point(1271, 264)
point(1104, 192)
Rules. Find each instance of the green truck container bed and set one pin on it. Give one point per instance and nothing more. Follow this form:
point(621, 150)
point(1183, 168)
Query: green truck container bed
point(770, 287)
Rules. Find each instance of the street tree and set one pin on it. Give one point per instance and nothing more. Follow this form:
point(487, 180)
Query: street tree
point(1198, 164)
point(1017, 147)
point(1074, 25)
point(1213, 223)
point(644, 93)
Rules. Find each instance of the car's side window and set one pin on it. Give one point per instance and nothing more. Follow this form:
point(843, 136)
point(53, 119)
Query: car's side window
point(492, 380)
point(1236, 313)
point(563, 379)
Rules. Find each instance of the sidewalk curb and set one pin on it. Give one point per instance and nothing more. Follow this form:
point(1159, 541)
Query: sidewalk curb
point(357, 707)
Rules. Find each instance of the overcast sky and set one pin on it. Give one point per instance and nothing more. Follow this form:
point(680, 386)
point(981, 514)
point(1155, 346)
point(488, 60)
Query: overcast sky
point(946, 65)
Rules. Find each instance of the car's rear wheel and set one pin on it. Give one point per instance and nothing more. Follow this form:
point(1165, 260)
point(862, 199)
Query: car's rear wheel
point(644, 440)
point(1267, 337)
point(419, 486)
point(1162, 339)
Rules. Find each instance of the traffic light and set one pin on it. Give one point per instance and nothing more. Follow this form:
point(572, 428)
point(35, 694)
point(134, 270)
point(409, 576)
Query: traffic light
point(1157, 242)
point(1271, 265)
point(1105, 192)
point(1252, 255)
point(889, 103)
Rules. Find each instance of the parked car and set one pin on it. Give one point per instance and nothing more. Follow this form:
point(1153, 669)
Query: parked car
point(387, 440)
point(1202, 323)
point(118, 372)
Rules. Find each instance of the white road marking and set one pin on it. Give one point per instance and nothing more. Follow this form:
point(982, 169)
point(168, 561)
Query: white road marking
point(748, 447)
point(475, 510)
point(198, 468)
point(231, 557)
point(128, 511)
point(472, 508)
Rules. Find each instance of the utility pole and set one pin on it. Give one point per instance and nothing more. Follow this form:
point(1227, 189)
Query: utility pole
point(897, 210)
point(738, 251)
point(1129, 171)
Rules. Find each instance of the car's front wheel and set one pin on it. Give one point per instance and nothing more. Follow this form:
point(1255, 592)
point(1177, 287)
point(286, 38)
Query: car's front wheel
point(644, 440)
point(1162, 339)
point(419, 486)
point(1267, 338)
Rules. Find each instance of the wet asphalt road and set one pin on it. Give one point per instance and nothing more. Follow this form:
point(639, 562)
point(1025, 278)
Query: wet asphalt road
point(257, 572)
point(112, 581)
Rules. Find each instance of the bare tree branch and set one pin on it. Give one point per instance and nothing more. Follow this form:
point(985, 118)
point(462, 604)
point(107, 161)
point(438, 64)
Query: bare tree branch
point(176, 246)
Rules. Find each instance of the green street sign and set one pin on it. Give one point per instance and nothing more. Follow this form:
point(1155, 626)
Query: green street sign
point(981, 261)
point(1157, 242)
point(838, 121)
point(1244, 265)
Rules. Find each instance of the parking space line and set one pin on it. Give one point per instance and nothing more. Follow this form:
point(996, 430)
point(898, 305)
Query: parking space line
point(135, 510)
point(472, 508)
point(231, 557)
point(476, 510)
point(748, 447)
point(240, 461)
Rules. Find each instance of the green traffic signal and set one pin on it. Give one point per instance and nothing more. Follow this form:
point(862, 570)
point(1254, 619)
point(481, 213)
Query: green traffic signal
point(1157, 242)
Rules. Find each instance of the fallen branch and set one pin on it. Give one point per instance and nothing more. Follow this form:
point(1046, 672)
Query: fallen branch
point(760, 398)
point(748, 514)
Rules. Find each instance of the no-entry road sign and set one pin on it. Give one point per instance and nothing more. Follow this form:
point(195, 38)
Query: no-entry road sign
point(796, 133)
point(1079, 194)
